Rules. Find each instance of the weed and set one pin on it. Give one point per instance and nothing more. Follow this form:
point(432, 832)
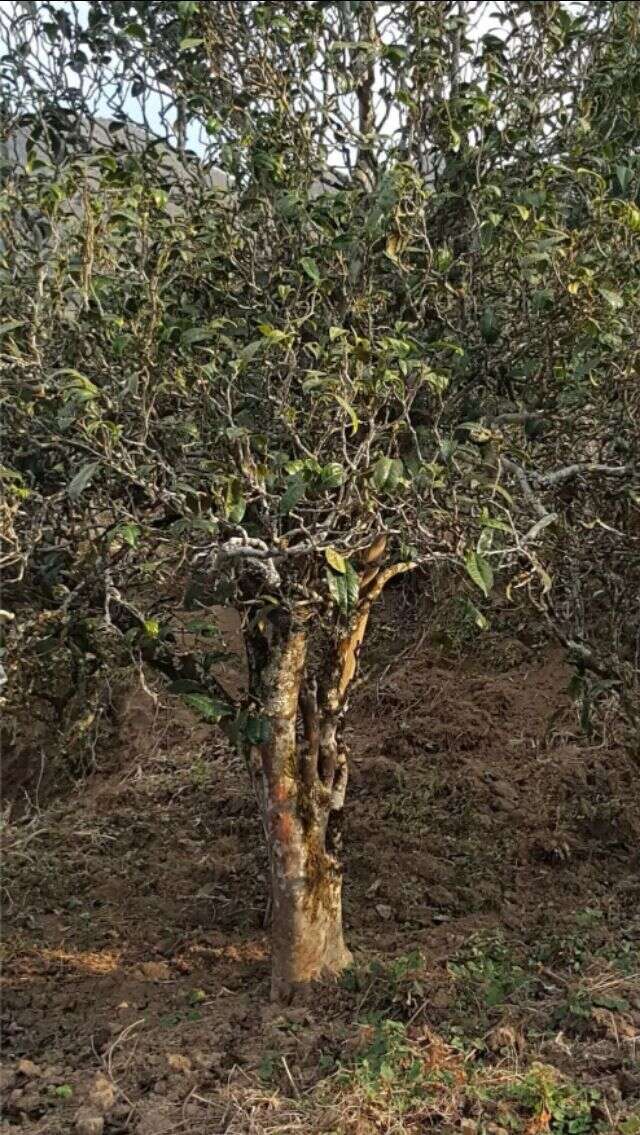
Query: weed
point(269, 1066)
point(201, 772)
point(557, 1105)
point(395, 988)
point(393, 1071)
point(486, 972)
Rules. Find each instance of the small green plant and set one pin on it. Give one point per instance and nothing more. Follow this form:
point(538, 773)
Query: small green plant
point(486, 972)
point(558, 1105)
point(392, 989)
point(64, 1091)
point(390, 1069)
point(269, 1066)
point(201, 773)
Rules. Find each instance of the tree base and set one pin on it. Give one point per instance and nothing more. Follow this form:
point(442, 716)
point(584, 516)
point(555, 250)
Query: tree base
point(308, 944)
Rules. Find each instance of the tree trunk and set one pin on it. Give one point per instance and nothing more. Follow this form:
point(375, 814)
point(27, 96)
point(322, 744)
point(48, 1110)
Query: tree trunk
point(304, 775)
point(302, 767)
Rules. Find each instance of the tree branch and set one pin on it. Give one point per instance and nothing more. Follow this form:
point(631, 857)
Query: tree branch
point(522, 480)
point(568, 471)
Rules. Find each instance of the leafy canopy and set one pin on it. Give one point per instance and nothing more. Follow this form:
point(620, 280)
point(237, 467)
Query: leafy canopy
point(279, 278)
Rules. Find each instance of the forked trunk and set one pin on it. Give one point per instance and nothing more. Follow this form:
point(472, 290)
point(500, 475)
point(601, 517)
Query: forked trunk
point(302, 767)
point(304, 775)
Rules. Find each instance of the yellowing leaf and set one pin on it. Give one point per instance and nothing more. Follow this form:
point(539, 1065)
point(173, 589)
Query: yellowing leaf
point(353, 585)
point(355, 421)
point(480, 571)
point(614, 299)
point(335, 560)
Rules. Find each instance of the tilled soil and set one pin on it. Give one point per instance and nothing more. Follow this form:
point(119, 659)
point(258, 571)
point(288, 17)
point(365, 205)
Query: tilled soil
point(491, 901)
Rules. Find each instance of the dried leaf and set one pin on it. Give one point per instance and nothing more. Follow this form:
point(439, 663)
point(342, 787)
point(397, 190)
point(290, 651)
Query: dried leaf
point(373, 553)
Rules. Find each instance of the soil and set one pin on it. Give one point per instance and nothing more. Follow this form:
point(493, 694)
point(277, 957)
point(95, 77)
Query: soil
point(491, 902)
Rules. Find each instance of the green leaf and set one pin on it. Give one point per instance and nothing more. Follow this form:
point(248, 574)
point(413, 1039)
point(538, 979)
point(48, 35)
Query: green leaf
point(353, 586)
point(195, 335)
point(10, 325)
point(184, 686)
point(257, 728)
point(542, 300)
point(480, 571)
point(79, 381)
point(64, 1091)
point(237, 511)
point(188, 42)
point(336, 333)
point(159, 197)
point(311, 268)
point(235, 502)
point(381, 471)
point(498, 525)
point(209, 708)
point(395, 475)
point(203, 627)
point(293, 493)
point(130, 534)
point(252, 349)
point(338, 590)
point(7, 474)
point(624, 175)
point(614, 299)
point(479, 619)
point(332, 475)
point(355, 422)
point(488, 328)
point(152, 627)
point(82, 479)
point(335, 560)
point(437, 382)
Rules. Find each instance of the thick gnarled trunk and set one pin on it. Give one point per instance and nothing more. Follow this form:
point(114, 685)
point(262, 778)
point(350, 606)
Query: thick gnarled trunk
point(302, 767)
point(304, 776)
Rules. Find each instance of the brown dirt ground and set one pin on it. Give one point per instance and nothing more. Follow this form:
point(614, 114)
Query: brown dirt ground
point(486, 843)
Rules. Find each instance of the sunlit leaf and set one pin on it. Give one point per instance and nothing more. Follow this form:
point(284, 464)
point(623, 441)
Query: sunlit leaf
point(350, 411)
point(209, 708)
point(480, 571)
point(614, 299)
point(311, 269)
point(335, 560)
point(352, 585)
